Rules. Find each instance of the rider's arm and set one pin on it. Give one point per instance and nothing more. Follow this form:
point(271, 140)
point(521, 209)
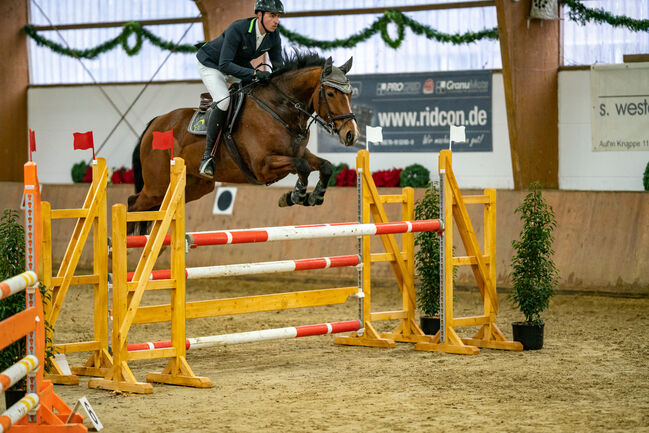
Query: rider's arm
point(275, 53)
point(228, 52)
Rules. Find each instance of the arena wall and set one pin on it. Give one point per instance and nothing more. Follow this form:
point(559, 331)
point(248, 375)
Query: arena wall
point(601, 240)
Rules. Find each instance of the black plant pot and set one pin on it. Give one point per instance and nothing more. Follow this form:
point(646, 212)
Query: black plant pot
point(529, 334)
point(12, 396)
point(429, 324)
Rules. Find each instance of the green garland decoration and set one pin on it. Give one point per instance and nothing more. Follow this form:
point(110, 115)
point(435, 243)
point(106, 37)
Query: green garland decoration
point(581, 14)
point(130, 28)
point(578, 12)
point(381, 25)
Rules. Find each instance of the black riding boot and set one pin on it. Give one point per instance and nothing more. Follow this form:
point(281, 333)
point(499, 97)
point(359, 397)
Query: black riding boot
point(214, 125)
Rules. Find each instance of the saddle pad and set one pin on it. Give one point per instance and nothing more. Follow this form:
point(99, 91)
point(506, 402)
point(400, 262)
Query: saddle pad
point(198, 123)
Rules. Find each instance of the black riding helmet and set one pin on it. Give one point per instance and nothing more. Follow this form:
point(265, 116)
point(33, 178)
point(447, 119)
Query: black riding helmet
point(269, 6)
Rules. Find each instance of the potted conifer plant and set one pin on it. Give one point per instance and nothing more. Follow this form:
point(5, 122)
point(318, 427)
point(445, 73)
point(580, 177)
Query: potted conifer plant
point(534, 274)
point(427, 261)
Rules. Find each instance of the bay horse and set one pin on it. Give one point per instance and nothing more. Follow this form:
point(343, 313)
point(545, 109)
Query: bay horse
point(271, 136)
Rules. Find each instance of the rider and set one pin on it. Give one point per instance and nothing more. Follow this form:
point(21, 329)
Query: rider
point(228, 58)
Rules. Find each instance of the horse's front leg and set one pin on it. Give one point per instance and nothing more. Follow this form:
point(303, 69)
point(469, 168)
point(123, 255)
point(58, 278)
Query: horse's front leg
point(325, 168)
point(277, 167)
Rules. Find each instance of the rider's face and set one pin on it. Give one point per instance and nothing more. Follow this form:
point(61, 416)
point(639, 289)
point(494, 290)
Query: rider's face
point(271, 21)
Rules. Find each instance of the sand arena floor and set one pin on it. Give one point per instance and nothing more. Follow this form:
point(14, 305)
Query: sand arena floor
point(591, 376)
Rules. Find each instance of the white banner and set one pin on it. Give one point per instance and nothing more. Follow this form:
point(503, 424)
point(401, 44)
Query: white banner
point(620, 107)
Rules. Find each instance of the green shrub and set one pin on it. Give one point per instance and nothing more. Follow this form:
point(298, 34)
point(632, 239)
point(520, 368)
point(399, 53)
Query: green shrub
point(415, 176)
point(79, 171)
point(427, 257)
point(534, 274)
point(645, 178)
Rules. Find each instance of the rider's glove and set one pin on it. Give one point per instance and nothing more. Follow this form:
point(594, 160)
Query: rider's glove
point(263, 76)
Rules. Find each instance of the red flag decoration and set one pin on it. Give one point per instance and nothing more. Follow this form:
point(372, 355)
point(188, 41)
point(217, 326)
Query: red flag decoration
point(32, 143)
point(83, 140)
point(164, 140)
point(32, 140)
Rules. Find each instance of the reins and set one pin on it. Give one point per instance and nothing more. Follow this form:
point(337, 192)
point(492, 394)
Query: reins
point(300, 135)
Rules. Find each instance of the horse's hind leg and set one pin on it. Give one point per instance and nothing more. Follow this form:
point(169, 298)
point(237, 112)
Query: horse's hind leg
point(326, 169)
point(141, 202)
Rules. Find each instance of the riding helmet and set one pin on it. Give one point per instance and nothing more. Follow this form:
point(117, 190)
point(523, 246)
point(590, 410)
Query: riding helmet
point(269, 6)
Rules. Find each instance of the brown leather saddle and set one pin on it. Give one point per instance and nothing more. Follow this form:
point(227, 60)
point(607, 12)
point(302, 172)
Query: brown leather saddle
point(198, 126)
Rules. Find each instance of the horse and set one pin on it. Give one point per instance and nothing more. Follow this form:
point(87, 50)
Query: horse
point(270, 136)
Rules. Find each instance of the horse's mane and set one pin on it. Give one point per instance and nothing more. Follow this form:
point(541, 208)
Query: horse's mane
point(294, 60)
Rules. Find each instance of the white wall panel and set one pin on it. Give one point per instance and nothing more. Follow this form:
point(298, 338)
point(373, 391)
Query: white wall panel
point(579, 167)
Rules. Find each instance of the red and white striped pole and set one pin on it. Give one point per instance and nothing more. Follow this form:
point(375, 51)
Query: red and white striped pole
point(258, 268)
point(286, 233)
point(252, 336)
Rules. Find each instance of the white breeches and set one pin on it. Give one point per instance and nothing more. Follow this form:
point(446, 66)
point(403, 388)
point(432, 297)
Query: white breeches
point(214, 80)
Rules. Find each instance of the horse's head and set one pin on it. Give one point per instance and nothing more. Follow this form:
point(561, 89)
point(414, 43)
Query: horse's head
point(332, 102)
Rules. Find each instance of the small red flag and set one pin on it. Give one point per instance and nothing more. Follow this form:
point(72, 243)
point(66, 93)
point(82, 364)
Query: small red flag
point(32, 141)
point(163, 140)
point(83, 140)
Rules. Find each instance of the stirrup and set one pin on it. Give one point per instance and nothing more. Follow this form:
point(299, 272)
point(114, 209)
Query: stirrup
point(207, 167)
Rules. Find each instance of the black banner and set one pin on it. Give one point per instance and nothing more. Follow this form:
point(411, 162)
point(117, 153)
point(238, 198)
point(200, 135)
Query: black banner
point(416, 111)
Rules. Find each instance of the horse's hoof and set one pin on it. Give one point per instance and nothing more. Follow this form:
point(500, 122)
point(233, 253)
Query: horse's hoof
point(285, 200)
point(312, 200)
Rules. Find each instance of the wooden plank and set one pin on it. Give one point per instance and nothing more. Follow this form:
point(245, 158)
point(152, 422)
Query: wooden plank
point(633, 58)
point(145, 216)
point(388, 315)
point(85, 346)
point(152, 285)
point(470, 321)
point(392, 198)
point(152, 354)
point(475, 199)
point(380, 10)
point(69, 213)
point(386, 257)
point(247, 304)
point(469, 260)
point(78, 280)
point(17, 326)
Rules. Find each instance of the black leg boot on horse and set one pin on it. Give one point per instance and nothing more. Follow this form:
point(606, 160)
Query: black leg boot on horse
point(214, 125)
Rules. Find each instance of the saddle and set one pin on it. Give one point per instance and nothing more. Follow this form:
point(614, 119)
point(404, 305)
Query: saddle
point(198, 126)
point(198, 123)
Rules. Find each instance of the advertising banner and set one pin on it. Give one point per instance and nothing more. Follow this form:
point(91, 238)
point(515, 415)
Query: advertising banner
point(620, 107)
point(416, 110)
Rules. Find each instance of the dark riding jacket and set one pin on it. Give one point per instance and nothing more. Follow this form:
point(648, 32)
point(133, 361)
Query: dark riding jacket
point(232, 52)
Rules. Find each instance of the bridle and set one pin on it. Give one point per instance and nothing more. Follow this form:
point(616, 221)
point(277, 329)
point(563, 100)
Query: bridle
point(329, 125)
point(344, 87)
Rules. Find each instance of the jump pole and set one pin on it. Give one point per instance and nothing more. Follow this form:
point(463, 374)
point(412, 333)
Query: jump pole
point(254, 336)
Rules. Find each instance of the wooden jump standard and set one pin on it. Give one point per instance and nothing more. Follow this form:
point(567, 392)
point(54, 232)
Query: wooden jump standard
point(453, 209)
point(41, 410)
point(91, 217)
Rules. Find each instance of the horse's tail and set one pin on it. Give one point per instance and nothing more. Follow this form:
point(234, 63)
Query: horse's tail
point(137, 164)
